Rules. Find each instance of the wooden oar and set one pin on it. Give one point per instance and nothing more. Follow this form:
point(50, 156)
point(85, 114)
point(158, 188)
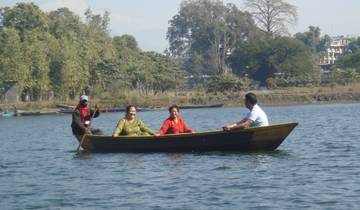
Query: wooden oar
point(81, 142)
point(83, 137)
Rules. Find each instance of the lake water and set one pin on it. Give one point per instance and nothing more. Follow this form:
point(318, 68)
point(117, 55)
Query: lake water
point(317, 167)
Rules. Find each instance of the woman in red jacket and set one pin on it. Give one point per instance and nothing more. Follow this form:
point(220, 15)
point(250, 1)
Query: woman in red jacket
point(174, 124)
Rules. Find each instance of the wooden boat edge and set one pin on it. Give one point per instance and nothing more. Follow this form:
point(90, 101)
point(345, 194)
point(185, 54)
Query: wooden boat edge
point(263, 138)
point(290, 125)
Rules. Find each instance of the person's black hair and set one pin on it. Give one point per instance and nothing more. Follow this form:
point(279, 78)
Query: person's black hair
point(251, 98)
point(129, 107)
point(174, 106)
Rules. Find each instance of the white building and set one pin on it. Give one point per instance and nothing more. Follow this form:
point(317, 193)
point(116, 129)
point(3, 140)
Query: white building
point(337, 48)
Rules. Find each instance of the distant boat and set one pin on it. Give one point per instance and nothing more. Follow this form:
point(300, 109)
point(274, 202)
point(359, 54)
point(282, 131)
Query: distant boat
point(265, 138)
point(22, 113)
point(66, 111)
point(63, 106)
point(123, 109)
point(7, 114)
point(70, 110)
point(201, 106)
point(119, 109)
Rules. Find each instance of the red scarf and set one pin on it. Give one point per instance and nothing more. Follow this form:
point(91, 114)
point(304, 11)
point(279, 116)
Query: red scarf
point(83, 110)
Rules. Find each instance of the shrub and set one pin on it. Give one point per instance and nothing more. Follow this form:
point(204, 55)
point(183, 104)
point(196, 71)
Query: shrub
point(228, 82)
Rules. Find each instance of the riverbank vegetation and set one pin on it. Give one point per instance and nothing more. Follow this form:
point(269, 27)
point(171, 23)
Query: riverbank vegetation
point(278, 97)
point(216, 53)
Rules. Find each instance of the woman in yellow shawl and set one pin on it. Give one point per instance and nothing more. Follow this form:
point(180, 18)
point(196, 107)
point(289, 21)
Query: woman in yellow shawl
point(130, 125)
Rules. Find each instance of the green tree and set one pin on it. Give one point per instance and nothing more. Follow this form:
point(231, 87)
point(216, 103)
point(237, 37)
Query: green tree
point(282, 57)
point(127, 51)
point(24, 17)
point(311, 38)
point(68, 77)
point(98, 49)
point(350, 61)
point(209, 29)
point(64, 23)
point(354, 45)
point(325, 42)
point(154, 72)
point(166, 74)
point(127, 41)
point(12, 63)
point(228, 82)
point(345, 76)
point(36, 49)
point(58, 52)
point(69, 74)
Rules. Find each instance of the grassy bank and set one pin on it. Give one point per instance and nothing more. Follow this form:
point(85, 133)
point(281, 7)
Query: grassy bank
point(288, 96)
point(316, 95)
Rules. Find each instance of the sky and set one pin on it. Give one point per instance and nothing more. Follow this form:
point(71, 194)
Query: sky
point(147, 20)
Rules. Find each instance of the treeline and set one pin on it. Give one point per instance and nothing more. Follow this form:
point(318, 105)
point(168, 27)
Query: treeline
point(208, 37)
point(58, 54)
point(218, 47)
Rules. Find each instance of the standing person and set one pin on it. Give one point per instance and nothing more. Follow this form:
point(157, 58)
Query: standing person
point(82, 117)
point(174, 124)
point(256, 117)
point(130, 125)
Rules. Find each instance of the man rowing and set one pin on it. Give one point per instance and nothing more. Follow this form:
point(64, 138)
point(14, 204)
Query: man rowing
point(82, 117)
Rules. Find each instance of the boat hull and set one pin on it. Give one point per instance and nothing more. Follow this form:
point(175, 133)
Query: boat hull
point(7, 114)
point(266, 138)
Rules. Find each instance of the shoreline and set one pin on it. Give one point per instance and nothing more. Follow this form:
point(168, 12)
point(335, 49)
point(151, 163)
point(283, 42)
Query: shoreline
point(279, 97)
point(54, 111)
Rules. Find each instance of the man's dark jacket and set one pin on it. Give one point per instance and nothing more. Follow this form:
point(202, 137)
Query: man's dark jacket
point(78, 127)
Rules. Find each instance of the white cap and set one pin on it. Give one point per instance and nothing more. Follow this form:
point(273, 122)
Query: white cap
point(84, 98)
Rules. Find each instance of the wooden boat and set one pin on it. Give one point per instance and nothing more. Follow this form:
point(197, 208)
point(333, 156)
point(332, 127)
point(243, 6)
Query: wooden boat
point(66, 111)
point(123, 109)
point(265, 138)
point(64, 106)
point(7, 114)
point(37, 113)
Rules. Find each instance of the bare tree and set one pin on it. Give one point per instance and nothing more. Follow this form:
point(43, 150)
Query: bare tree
point(272, 16)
